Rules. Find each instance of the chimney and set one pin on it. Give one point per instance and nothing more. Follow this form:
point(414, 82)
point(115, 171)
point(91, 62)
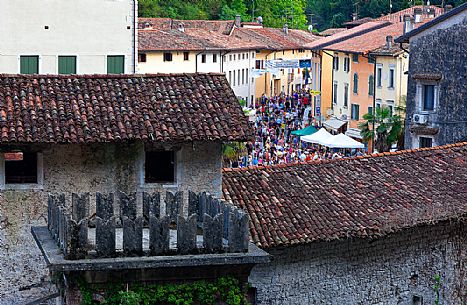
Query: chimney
point(285, 29)
point(181, 27)
point(389, 42)
point(408, 24)
point(238, 21)
point(417, 13)
point(447, 8)
point(354, 16)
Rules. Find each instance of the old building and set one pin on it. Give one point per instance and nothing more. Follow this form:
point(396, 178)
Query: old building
point(437, 89)
point(190, 46)
point(367, 230)
point(99, 133)
point(68, 37)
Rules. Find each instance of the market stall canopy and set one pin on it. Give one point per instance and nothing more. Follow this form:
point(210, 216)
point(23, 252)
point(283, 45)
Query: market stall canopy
point(318, 137)
point(309, 130)
point(342, 141)
point(354, 133)
point(334, 124)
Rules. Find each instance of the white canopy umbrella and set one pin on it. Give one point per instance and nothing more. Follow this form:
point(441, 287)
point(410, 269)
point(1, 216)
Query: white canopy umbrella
point(342, 141)
point(318, 137)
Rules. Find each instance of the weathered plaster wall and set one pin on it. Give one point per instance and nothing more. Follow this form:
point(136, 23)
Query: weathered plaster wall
point(441, 52)
point(75, 168)
point(391, 270)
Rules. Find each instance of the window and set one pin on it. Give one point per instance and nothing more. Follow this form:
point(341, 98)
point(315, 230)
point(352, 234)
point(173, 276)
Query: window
point(203, 58)
point(159, 166)
point(67, 65)
point(371, 60)
point(371, 85)
point(238, 78)
point(252, 55)
point(235, 57)
point(230, 77)
point(355, 57)
point(346, 95)
point(355, 112)
point(21, 168)
point(346, 64)
point(425, 142)
point(168, 56)
point(378, 104)
point(259, 64)
point(428, 97)
point(233, 84)
point(186, 56)
point(29, 64)
point(247, 54)
point(230, 57)
point(391, 77)
point(243, 56)
point(355, 83)
point(243, 76)
point(246, 75)
point(116, 64)
point(379, 75)
point(370, 110)
point(142, 57)
point(335, 63)
point(214, 57)
point(334, 94)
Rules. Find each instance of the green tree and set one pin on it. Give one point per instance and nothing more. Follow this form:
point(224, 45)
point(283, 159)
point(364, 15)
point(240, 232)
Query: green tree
point(232, 151)
point(387, 130)
point(276, 13)
point(233, 8)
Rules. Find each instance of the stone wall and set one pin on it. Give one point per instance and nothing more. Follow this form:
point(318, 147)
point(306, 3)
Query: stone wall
point(393, 270)
point(440, 52)
point(85, 168)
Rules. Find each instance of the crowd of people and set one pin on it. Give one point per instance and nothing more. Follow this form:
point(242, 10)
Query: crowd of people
point(274, 121)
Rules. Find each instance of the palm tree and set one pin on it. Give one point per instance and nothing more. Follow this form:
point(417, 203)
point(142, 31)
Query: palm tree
point(231, 151)
point(388, 128)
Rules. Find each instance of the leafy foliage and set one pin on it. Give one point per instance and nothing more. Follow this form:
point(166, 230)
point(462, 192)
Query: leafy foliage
point(296, 13)
point(232, 151)
point(226, 290)
point(387, 128)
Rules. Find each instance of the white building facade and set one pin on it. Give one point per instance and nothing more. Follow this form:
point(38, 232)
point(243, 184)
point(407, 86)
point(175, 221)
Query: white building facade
point(68, 37)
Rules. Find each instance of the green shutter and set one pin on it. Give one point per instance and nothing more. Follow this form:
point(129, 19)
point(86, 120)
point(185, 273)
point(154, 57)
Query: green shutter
point(116, 64)
point(29, 64)
point(67, 65)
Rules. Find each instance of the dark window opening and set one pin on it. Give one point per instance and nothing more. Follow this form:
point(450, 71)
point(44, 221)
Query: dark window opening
point(214, 57)
point(21, 170)
point(142, 57)
point(203, 58)
point(426, 142)
point(159, 166)
point(168, 56)
point(355, 57)
point(428, 97)
point(186, 56)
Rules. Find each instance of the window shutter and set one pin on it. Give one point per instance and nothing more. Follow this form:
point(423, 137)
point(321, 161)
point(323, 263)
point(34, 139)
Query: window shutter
point(116, 64)
point(29, 64)
point(67, 65)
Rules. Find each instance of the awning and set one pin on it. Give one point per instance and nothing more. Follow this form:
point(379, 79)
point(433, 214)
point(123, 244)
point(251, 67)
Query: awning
point(342, 141)
point(309, 130)
point(334, 124)
point(354, 133)
point(318, 137)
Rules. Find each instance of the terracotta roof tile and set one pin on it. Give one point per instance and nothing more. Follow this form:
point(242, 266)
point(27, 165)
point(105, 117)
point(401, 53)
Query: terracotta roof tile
point(103, 108)
point(364, 197)
point(398, 16)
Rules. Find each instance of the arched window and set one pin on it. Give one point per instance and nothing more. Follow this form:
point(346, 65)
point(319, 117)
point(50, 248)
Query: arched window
point(355, 83)
point(371, 84)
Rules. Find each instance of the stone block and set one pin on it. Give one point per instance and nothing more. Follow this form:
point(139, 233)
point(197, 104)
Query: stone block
point(238, 231)
point(213, 233)
point(105, 237)
point(159, 235)
point(104, 206)
point(151, 205)
point(127, 205)
point(186, 234)
point(132, 236)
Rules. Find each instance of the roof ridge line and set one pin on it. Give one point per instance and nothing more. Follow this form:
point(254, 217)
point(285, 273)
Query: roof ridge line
point(371, 156)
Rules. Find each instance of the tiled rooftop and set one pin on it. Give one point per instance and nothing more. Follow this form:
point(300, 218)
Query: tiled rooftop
point(361, 197)
point(105, 108)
